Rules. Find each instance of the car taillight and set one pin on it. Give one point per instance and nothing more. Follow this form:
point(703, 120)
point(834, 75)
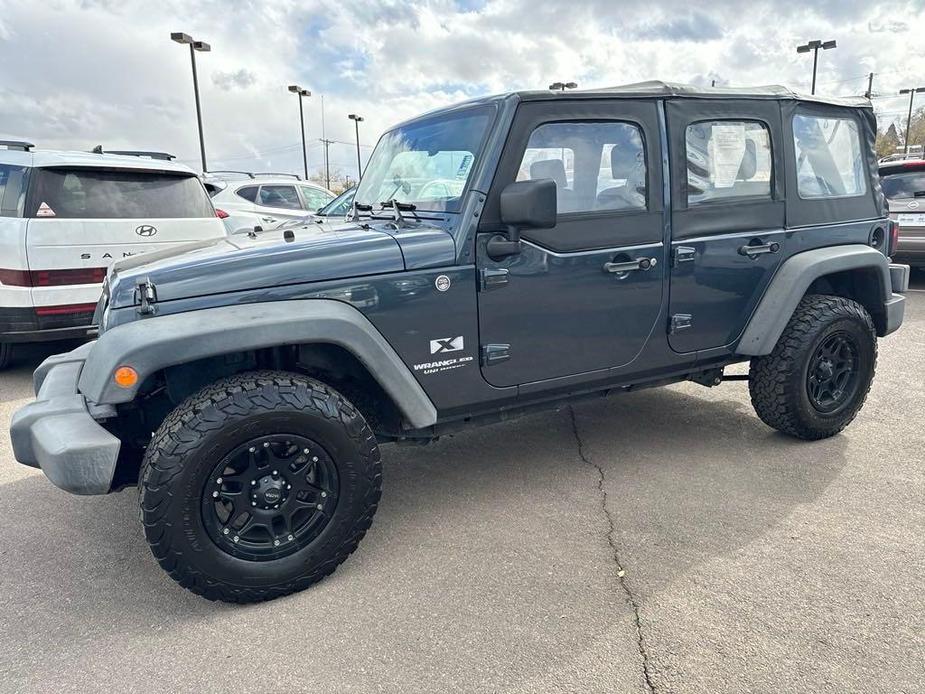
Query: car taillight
point(15, 278)
point(894, 238)
point(52, 278)
point(64, 309)
point(221, 214)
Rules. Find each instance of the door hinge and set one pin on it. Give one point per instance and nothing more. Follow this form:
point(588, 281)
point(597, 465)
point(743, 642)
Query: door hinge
point(146, 297)
point(491, 278)
point(493, 354)
point(684, 254)
point(681, 321)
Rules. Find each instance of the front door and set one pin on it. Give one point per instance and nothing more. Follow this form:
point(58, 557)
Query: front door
point(585, 295)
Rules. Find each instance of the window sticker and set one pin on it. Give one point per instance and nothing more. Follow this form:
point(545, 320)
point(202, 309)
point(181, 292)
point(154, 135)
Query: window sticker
point(44, 211)
point(727, 148)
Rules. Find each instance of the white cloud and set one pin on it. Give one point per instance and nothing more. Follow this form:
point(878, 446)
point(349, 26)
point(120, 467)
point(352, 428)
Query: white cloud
point(81, 73)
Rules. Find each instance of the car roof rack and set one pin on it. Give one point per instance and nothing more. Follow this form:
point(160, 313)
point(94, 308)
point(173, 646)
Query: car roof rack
point(21, 145)
point(163, 156)
point(253, 174)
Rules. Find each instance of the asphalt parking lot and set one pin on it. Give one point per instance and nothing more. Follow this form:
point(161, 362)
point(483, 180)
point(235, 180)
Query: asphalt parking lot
point(664, 541)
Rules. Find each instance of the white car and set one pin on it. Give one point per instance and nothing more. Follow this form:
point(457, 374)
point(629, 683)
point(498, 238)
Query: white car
point(245, 200)
point(65, 217)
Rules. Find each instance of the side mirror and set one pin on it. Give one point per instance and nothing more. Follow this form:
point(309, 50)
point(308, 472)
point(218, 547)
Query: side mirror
point(524, 205)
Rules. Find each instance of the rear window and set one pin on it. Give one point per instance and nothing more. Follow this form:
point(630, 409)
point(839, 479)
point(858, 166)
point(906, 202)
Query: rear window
point(117, 194)
point(12, 189)
point(908, 184)
point(249, 193)
point(727, 160)
point(279, 196)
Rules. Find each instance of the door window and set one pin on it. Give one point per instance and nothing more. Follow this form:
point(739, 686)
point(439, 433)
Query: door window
point(828, 154)
point(279, 196)
point(597, 165)
point(727, 160)
point(107, 194)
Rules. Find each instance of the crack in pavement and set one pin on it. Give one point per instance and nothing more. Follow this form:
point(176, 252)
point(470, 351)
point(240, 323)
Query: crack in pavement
point(621, 574)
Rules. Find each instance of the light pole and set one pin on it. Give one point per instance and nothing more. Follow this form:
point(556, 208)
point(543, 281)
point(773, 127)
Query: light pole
point(203, 47)
point(295, 89)
point(911, 93)
point(814, 46)
point(562, 86)
point(356, 121)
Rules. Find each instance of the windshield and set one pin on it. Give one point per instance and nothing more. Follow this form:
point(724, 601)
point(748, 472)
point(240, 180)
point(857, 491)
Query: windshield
point(425, 163)
point(903, 185)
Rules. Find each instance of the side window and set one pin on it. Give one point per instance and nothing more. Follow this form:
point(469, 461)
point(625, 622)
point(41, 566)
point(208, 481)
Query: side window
point(12, 190)
point(279, 196)
point(727, 159)
point(249, 193)
point(597, 165)
point(315, 198)
point(828, 156)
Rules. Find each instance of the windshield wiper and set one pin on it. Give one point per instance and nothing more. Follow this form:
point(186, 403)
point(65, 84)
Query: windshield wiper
point(398, 208)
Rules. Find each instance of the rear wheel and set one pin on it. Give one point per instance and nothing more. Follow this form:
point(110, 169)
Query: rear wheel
point(258, 486)
point(816, 380)
point(6, 354)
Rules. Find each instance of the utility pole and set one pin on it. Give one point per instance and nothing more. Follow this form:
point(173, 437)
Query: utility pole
point(327, 161)
point(870, 86)
point(327, 167)
point(911, 93)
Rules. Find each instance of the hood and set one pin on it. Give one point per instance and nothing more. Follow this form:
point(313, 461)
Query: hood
point(315, 253)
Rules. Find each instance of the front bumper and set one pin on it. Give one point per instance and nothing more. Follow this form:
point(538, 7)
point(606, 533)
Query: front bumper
point(57, 433)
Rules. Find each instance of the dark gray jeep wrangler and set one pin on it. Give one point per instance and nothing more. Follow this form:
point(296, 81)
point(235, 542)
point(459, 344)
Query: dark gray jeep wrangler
point(503, 255)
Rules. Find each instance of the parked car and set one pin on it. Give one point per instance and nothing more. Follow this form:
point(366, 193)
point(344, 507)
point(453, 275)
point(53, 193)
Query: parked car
point(742, 226)
point(245, 200)
point(903, 183)
point(332, 213)
point(67, 216)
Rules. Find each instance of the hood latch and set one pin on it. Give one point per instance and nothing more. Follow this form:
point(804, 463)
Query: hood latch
point(146, 297)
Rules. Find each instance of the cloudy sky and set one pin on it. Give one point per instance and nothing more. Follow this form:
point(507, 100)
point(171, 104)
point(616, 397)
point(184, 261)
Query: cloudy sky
point(85, 72)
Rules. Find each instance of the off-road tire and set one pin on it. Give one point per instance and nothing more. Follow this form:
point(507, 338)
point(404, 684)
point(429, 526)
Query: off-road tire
point(6, 354)
point(778, 382)
point(195, 436)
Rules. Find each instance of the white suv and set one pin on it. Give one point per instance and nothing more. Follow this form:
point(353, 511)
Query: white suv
point(245, 200)
point(65, 217)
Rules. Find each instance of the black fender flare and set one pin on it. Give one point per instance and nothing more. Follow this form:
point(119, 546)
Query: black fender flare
point(794, 277)
point(152, 344)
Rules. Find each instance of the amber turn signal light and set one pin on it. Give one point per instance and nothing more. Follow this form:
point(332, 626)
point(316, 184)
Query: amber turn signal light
point(125, 377)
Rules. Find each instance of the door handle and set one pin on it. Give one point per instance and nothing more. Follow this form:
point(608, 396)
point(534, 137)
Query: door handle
point(268, 219)
point(631, 265)
point(759, 249)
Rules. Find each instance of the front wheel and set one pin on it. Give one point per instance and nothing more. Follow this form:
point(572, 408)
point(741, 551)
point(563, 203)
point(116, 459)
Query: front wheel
point(258, 486)
point(816, 380)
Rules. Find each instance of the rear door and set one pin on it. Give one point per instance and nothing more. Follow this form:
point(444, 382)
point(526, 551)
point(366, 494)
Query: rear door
point(583, 296)
point(728, 215)
point(278, 203)
point(81, 220)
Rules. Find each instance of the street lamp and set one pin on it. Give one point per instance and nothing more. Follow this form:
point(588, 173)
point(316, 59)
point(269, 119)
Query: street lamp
point(356, 121)
point(814, 46)
point(562, 86)
point(911, 93)
point(203, 47)
point(295, 89)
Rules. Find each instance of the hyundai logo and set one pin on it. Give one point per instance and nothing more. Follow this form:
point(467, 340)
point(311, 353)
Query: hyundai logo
point(914, 205)
point(146, 230)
